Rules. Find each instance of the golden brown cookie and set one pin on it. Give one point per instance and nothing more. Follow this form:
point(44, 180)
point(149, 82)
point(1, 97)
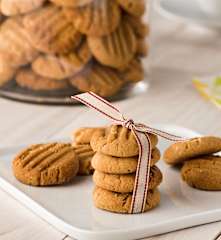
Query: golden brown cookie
point(62, 66)
point(140, 28)
point(50, 31)
point(71, 3)
point(124, 183)
point(50, 66)
point(46, 164)
point(118, 141)
point(15, 46)
point(7, 72)
point(183, 151)
point(17, 7)
point(28, 79)
point(134, 7)
point(83, 135)
point(203, 173)
point(134, 72)
point(99, 79)
point(121, 202)
point(142, 47)
point(84, 153)
point(116, 49)
point(98, 18)
point(79, 56)
point(116, 165)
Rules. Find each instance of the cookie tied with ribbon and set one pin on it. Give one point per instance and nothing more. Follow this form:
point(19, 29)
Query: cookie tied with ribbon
point(141, 133)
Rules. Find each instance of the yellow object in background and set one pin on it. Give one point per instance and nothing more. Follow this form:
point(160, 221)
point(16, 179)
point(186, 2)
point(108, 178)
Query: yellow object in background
point(209, 88)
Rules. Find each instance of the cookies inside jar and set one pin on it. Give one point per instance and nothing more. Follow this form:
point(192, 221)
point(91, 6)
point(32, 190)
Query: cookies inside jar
point(52, 49)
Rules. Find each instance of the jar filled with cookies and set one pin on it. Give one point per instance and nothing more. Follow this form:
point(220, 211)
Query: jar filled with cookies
point(52, 49)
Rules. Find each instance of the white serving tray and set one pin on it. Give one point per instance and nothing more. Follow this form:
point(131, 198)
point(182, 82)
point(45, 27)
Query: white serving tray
point(70, 209)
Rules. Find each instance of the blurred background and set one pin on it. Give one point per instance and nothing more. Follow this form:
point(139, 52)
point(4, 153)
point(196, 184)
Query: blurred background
point(164, 53)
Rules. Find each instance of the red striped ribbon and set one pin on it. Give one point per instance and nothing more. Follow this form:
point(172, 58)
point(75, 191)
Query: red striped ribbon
point(140, 132)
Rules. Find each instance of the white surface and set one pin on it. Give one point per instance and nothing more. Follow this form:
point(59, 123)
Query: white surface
point(187, 11)
point(181, 206)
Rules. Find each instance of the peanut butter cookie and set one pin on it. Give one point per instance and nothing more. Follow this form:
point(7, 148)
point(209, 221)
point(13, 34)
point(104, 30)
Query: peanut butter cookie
point(46, 164)
point(83, 135)
point(99, 79)
point(50, 66)
point(140, 28)
point(203, 173)
point(15, 46)
point(142, 47)
point(134, 72)
point(50, 31)
point(28, 79)
point(116, 165)
point(134, 7)
point(116, 49)
point(17, 7)
point(6, 71)
point(79, 57)
point(121, 202)
point(84, 153)
point(183, 151)
point(71, 3)
point(62, 66)
point(124, 183)
point(118, 141)
point(98, 18)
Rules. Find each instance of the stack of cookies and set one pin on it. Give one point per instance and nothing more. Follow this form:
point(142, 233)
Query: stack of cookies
point(88, 45)
point(115, 164)
point(200, 167)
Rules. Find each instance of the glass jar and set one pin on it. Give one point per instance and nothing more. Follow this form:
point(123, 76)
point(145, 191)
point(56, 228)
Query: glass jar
point(50, 50)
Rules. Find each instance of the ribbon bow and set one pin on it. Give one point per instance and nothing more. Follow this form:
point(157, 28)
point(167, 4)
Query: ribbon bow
point(141, 133)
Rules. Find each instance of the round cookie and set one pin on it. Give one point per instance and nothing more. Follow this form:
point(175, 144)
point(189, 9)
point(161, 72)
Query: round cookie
point(50, 66)
point(46, 164)
point(116, 49)
point(83, 135)
point(15, 46)
point(62, 66)
point(17, 7)
point(118, 141)
point(142, 47)
point(140, 28)
point(7, 72)
point(84, 153)
point(55, 36)
point(134, 7)
point(79, 57)
point(134, 72)
point(71, 3)
point(99, 79)
point(203, 173)
point(124, 183)
point(181, 151)
point(28, 79)
point(116, 165)
point(98, 18)
point(121, 202)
